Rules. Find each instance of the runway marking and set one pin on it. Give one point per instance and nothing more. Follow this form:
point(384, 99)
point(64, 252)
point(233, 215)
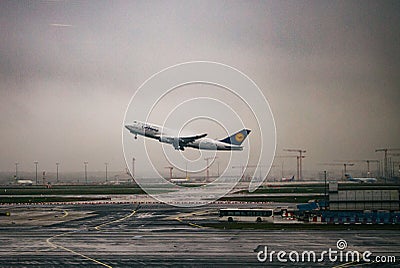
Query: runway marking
point(195, 225)
point(122, 219)
point(366, 237)
point(65, 213)
point(54, 245)
point(189, 223)
point(344, 264)
point(363, 264)
point(349, 264)
point(178, 219)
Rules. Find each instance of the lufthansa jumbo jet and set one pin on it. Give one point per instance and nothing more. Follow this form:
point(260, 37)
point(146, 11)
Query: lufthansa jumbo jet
point(162, 134)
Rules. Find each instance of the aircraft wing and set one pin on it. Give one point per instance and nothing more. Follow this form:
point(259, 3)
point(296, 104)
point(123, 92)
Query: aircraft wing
point(186, 140)
point(179, 143)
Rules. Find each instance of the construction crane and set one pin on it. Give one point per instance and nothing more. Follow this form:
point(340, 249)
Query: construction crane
point(241, 168)
point(344, 164)
point(298, 163)
point(170, 171)
point(299, 159)
point(385, 160)
point(256, 166)
point(368, 161)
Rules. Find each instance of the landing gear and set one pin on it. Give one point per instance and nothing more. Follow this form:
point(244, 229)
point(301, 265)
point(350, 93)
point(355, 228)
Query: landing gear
point(135, 136)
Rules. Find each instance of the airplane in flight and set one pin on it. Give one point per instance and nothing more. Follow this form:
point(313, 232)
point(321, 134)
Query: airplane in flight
point(362, 180)
point(162, 134)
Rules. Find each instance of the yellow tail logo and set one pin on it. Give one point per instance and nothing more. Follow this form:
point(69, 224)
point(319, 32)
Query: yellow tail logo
point(239, 137)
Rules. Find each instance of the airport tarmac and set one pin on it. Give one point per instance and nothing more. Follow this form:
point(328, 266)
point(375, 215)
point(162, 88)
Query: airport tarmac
point(118, 235)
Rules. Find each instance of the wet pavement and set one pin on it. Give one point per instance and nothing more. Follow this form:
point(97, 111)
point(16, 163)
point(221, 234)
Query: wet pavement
point(115, 235)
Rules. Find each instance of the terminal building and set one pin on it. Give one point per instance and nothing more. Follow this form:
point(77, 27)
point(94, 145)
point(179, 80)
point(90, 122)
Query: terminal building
point(360, 197)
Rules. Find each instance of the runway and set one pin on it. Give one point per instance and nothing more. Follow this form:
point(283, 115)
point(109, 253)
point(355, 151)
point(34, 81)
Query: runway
point(158, 235)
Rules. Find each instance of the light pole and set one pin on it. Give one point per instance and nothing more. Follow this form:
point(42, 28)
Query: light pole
point(16, 170)
point(325, 190)
point(186, 171)
point(385, 161)
point(36, 164)
point(398, 169)
point(345, 167)
point(85, 163)
point(207, 159)
point(133, 168)
point(106, 164)
point(57, 170)
point(170, 172)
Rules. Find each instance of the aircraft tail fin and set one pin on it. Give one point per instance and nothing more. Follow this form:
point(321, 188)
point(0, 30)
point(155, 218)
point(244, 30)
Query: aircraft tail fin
point(348, 177)
point(237, 138)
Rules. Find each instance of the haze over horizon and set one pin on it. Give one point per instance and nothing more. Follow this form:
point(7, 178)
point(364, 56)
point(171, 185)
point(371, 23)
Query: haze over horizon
point(68, 69)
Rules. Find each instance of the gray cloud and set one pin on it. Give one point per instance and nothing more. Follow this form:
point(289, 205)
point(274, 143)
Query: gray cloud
point(329, 70)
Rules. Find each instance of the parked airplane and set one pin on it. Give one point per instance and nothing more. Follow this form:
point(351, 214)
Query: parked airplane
point(287, 179)
point(25, 182)
point(180, 180)
point(162, 134)
point(362, 180)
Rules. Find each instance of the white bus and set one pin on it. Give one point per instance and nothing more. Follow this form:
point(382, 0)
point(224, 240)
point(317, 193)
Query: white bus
point(246, 215)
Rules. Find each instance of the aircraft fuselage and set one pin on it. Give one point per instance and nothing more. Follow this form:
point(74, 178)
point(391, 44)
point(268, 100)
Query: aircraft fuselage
point(165, 135)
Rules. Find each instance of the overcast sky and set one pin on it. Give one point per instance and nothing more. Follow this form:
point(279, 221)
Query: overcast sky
point(329, 69)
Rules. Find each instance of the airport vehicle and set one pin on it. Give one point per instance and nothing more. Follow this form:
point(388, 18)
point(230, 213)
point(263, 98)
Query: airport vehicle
point(362, 180)
point(162, 134)
point(246, 215)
